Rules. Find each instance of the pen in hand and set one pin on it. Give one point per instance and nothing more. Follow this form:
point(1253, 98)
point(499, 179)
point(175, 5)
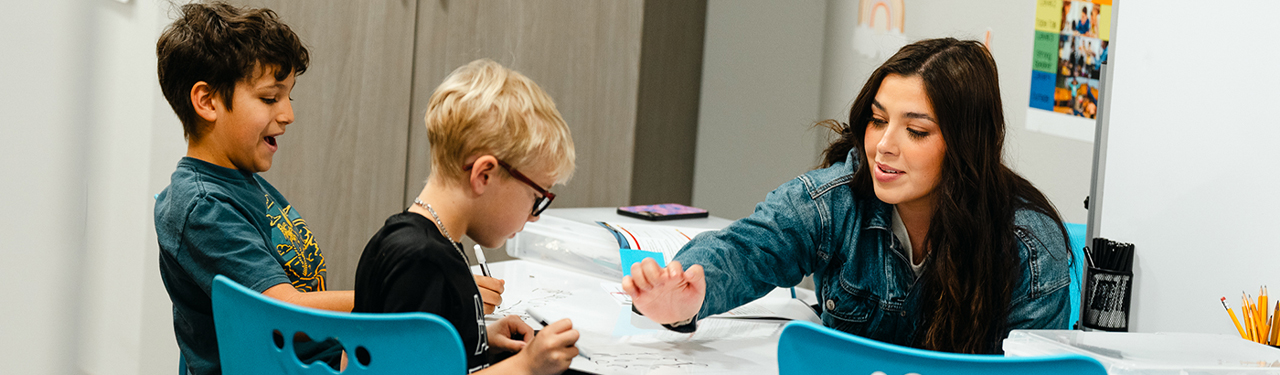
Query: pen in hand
point(541, 319)
point(484, 267)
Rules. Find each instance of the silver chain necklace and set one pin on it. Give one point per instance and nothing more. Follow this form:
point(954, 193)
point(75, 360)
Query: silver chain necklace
point(442, 228)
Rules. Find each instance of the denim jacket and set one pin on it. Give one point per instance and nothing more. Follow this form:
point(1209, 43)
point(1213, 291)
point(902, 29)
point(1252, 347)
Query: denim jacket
point(816, 225)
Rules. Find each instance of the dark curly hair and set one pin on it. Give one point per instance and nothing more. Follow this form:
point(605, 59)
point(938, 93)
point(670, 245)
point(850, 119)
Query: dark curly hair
point(221, 45)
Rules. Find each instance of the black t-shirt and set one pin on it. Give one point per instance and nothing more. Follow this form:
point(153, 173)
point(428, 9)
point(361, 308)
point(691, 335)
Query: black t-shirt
point(409, 266)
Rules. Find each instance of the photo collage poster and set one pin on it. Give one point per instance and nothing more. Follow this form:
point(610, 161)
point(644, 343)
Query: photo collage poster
point(1070, 47)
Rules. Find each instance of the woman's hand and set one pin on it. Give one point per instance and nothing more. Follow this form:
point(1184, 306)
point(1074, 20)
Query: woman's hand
point(500, 333)
point(490, 291)
point(551, 351)
point(666, 295)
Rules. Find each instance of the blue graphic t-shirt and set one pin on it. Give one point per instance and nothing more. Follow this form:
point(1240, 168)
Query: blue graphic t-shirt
point(294, 245)
point(212, 220)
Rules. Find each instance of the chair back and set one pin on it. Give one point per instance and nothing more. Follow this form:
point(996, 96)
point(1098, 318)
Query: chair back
point(255, 336)
point(808, 348)
point(1076, 233)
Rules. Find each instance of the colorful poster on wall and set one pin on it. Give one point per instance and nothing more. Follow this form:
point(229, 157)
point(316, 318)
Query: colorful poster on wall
point(1070, 46)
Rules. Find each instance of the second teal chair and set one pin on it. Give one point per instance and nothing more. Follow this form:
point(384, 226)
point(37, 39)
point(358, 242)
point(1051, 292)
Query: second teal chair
point(1076, 233)
point(255, 336)
point(807, 348)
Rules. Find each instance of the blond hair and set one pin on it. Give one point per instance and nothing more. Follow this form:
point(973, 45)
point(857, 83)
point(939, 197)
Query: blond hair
point(485, 108)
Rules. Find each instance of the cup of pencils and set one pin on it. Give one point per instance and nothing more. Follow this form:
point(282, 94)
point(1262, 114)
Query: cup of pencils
point(1109, 285)
point(1257, 326)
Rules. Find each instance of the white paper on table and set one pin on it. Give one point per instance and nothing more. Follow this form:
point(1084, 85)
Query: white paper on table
point(619, 342)
point(615, 290)
point(772, 308)
point(711, 330)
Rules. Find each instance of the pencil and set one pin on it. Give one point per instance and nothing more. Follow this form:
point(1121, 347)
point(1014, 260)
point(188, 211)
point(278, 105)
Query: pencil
point(1247, 313)
point(1257, 325)
point(1237, 321)
point(1260, 323)
point(1265, 332)
point(1275, 328)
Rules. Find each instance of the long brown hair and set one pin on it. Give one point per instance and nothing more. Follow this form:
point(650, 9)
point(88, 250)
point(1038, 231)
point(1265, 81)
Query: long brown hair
point(971, 240)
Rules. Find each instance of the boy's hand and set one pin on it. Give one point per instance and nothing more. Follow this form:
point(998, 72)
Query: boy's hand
point(552, 350)
point(500, 333)
point(666, 295)
point(490, 291)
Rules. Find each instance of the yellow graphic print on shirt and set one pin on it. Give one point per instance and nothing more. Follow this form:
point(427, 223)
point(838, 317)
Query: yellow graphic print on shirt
point(294, 244)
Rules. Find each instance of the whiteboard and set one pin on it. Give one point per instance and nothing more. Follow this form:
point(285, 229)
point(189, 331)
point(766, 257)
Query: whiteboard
point(1192, 163)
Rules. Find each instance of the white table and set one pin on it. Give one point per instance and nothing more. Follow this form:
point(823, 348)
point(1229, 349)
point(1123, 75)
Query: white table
point(1125, 353)
point(620, 342)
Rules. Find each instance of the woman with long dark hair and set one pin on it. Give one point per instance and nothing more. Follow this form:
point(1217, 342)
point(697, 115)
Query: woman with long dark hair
point(914, 230)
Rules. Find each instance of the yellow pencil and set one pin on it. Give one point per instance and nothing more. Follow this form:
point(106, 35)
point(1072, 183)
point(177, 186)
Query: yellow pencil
point(1253, 319)
point(1257, 325)
point(1266, 332)
point(1264, 329)
point(1237, 321)
point(1247, 313)
point(1275, 327)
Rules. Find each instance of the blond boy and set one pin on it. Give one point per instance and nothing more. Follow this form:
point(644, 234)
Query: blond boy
point(498, 144)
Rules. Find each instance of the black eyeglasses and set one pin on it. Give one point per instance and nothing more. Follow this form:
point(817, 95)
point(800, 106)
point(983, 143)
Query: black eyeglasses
point(542, 202)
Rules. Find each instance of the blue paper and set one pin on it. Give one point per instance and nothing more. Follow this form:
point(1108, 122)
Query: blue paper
point(632, 256)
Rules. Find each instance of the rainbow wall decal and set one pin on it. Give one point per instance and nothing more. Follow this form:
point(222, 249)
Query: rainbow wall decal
point(880, 31)
point(881, 15)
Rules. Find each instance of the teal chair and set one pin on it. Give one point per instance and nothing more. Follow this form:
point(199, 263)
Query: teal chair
point(1076, 233)
point(807, 348)
point(255, 336)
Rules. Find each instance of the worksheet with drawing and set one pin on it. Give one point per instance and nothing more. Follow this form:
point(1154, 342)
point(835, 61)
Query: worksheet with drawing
point(613, 340)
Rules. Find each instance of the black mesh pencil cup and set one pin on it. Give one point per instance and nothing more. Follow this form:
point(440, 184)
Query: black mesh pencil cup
point(1106, 305)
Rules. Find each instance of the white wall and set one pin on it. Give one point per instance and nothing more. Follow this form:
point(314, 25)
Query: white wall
point(772, 69)
point(135, 142)
point(90, 140)
point(125, 326)
point(761, 75)
point(1192, 161)
point(42, 141)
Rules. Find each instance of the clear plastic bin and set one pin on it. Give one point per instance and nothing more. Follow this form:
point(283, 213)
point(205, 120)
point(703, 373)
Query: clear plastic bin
point(1151, 353)
point(567, 243)
point(570, 238)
